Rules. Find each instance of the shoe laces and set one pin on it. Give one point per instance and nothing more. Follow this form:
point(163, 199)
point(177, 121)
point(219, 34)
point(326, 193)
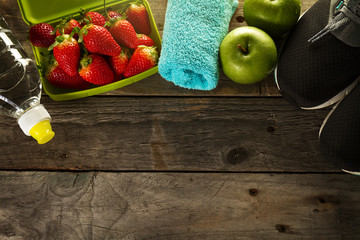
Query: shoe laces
point(347, 13)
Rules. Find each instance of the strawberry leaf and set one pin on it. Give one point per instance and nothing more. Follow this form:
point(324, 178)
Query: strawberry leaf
point(60, 39)
point(85, 62)
point(83, 32)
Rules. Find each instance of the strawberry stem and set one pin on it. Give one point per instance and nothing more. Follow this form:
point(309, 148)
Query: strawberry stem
point(107, 23)
point(56, 42)
point(74, 31)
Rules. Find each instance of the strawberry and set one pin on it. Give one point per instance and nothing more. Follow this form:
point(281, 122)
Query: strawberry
point(40, 35)
point(112, 15)
point(67, 26)
point(139, 18)
point(124, 33)
point(67, 53)
point(142, 59)
point(119, 63)
point(93, 17)
point(95, 69)
point(98, 39)
point(145, 40)
point(57, 77)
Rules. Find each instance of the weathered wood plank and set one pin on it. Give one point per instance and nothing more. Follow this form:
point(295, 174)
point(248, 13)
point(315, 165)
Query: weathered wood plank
point(151, 133)
point(156, 85)
point(43, 205)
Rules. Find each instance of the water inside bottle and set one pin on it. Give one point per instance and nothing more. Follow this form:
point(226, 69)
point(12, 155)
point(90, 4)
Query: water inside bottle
point(20, 86)
point(17, 90)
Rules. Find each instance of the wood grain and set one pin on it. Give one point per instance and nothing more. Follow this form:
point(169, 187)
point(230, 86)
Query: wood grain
point(182, 134)
point(155, 161)
point(99, 206)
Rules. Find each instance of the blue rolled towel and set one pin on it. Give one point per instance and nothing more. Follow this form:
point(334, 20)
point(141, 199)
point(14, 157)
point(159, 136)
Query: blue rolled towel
point(193, 32)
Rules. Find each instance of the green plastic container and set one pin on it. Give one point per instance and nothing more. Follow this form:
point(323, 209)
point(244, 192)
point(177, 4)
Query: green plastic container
point(52, 12)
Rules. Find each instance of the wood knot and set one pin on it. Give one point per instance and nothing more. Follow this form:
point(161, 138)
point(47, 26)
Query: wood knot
point(64, 155)
point(271, 129)
point(328, 199)
point(282, 228)
point(253, 192)
point(240, 19)
point(236, 155)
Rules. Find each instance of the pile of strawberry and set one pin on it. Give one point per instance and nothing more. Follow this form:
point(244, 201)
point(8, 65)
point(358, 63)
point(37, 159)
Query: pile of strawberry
point(96, 49)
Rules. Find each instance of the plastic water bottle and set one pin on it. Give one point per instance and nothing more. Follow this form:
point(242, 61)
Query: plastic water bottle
point(20, 88)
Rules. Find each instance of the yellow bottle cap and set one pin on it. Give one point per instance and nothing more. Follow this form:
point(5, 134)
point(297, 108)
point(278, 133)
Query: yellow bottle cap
point(42, 132)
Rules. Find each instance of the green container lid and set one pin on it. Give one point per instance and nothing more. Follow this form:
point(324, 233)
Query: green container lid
point(38, 11)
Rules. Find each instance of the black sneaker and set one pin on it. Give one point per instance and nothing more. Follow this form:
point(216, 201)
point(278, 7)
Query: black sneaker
point(320, 60)
point(340, 133)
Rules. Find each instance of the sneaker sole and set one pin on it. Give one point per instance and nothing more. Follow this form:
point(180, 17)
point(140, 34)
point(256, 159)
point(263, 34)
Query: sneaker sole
point(344, 93)
point(327, 118)
point(353, 173)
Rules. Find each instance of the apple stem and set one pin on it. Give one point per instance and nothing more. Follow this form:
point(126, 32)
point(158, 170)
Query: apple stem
point(244, 50)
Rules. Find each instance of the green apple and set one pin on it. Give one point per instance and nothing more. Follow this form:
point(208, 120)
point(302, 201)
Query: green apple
point(247, 54)
point(276, 17)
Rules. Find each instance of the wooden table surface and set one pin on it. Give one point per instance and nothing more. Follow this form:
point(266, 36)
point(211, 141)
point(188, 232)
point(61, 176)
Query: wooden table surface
point(155, 161)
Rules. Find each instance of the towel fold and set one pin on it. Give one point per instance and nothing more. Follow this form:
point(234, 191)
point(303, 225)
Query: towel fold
point(192, 36)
